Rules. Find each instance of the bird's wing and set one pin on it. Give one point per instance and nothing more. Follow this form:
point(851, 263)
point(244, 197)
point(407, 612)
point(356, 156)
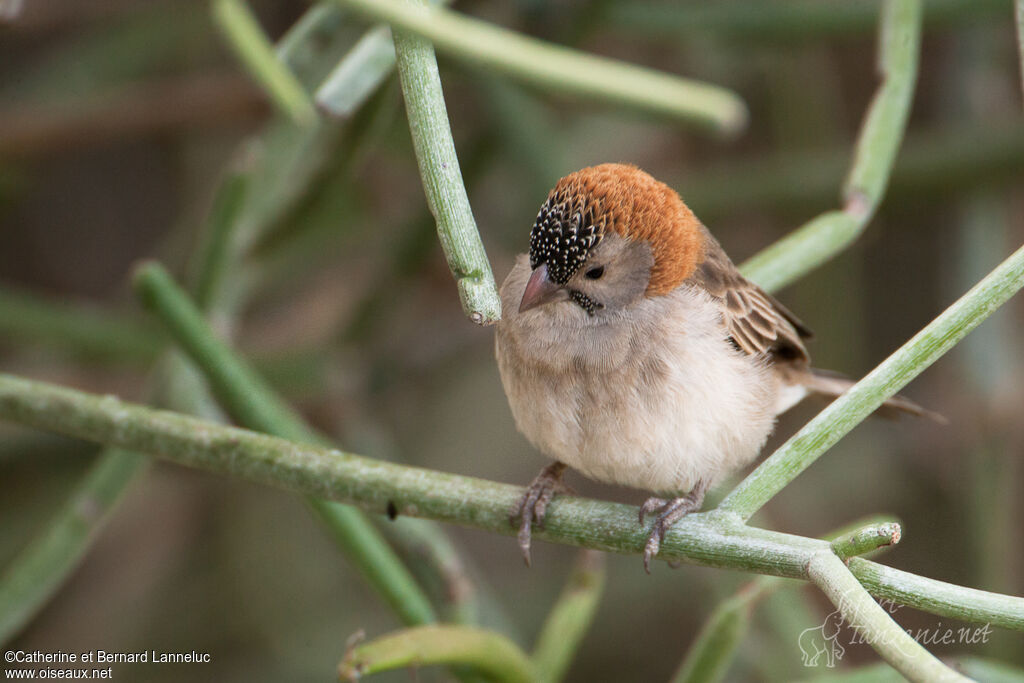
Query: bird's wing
point(756, 322)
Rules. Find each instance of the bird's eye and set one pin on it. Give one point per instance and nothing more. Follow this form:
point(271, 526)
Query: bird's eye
point(595, 273)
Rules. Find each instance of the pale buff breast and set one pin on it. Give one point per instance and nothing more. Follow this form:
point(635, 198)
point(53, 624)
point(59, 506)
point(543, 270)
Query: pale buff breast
point(655, 399)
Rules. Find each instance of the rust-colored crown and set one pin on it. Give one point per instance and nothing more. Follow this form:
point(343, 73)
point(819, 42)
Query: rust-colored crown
point(620, 197)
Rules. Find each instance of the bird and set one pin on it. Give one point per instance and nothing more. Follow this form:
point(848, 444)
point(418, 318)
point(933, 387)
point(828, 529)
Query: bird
point(632, 350)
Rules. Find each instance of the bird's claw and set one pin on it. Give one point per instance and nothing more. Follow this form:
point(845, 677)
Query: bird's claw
point(531, 508)
point(670, 512)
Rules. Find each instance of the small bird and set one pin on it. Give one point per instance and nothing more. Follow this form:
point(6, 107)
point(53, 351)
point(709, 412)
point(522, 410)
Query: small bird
point(633, 351)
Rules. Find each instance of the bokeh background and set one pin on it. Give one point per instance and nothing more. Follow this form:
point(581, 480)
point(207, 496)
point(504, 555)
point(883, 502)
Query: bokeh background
point(117, 122)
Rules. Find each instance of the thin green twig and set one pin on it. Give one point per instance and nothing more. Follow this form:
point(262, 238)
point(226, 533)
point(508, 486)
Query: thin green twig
point(254, 405)
point(711, 653)
point(712, 539)
point(861, 612)
point(880, 136)
point(256, 52)
point(950, 161)
point(560, 69)
point(81, 329)
point(437, 563)
point(977, 668)
point(488, 651)
point(442, 178)
point(215, 253)
point(247, 397)
point(359, 74)
point(570, 618)
point(866, 539)
point(713, 649)
point(32, 578)
point(781, 21)
point(846, 412)
point(39, 570)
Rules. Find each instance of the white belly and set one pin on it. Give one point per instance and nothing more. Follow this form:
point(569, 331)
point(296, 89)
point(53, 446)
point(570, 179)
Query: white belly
point(656, 407)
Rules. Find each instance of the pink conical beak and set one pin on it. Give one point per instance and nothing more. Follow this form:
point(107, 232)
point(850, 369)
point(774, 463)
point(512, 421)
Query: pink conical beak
point(541, 290)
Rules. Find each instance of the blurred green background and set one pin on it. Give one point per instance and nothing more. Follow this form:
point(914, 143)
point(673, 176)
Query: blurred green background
point(117, 120)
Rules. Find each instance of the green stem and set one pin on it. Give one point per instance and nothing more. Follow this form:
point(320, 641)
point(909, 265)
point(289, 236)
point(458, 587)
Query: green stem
point(561, 69)
point(939, 597)
point(882, 132)
point(871, 622)
point(712, 651)
point(846, 412)
point(437, 562)
point(79, 328)
point(950, 160)
point(254, 405)
point(256, 52)
point(215, 253)
point(36, 573)
point(359, 74)
point(783, 21)
point(976, 668)
point(569, 619)
point(486, 651)
point(866, 539)
point(41, 568)
point(442, 178)
point(711, 539)
point(874, 154)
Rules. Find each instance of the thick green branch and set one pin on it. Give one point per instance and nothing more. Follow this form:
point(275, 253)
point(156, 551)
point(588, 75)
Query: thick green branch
point(874, 154)
point(846, 412)
point(871, 621)
point(487, 651)
point(711, 539)
point(442, 178)
point(561, 69)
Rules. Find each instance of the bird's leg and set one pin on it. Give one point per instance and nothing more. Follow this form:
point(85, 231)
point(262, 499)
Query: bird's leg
point(531, 507)
point(671, 511)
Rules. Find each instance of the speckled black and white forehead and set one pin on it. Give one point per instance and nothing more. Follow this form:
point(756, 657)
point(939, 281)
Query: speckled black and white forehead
point(563, 235)
point(621, 198)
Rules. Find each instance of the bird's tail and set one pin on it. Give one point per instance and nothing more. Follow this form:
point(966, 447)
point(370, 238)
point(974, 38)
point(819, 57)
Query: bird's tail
point(831, 385)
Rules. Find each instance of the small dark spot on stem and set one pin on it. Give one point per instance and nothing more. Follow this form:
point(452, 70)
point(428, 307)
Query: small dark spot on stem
point(392, 510)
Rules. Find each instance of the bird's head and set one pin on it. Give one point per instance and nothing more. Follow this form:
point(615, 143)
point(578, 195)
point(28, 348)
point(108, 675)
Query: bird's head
point(607, 236)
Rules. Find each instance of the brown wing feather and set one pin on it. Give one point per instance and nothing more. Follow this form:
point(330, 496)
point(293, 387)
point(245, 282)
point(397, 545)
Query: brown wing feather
point(756, 322)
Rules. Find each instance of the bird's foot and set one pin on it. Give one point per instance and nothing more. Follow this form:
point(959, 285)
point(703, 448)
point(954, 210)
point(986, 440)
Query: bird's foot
point(531, 507)
point(669, 511)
